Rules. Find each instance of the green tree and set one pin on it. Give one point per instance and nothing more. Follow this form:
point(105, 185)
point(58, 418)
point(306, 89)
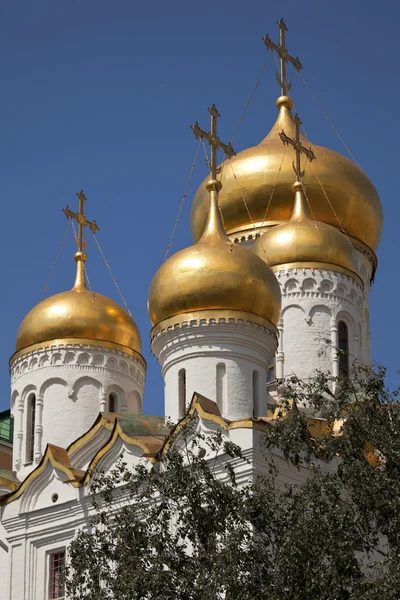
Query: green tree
point(183, 528)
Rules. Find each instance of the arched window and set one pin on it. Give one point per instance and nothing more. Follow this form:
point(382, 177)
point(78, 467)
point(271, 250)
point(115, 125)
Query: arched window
point(343, 345)
point(112, 403)
point(271, 371)
point(256, 395)
point(30, 428)
point(221, 374)
point(182, 392)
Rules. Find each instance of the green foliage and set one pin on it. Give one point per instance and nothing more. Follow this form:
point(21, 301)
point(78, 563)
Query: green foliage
point(185, 529)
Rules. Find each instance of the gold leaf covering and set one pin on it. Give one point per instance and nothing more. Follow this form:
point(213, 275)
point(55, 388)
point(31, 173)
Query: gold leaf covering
point(353, 196)
point(81, 314)
point(214, 274)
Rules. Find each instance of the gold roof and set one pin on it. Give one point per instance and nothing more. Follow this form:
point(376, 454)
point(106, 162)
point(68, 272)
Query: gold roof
point(253, 173)
point(79, 314)
point(303, 240)
point(214, 274)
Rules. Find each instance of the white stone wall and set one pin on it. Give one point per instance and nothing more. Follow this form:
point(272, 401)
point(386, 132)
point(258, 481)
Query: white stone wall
point(71, 384)
point(313, 303)
point(34, 525)
point(224, 361)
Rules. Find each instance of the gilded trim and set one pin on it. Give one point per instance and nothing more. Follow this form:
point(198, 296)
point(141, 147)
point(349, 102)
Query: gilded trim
point(12, 485)
point(150, 450)
point(101, 422)
point(74, 342)
point(153, 448)
point(212, 315)
point(47, 457)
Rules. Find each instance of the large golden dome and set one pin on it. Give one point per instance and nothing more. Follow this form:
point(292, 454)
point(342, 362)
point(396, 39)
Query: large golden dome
point(303, 242)
point(82, 315)
point(253, 173)
point(214, 274)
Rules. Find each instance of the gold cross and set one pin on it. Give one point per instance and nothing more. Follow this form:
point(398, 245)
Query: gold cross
point(81, 220)
point(285, 57)
point(213, 139)
point(298, 147)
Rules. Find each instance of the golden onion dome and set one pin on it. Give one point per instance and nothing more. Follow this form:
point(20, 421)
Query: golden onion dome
point(255, 172)
point(214, 274)
point(80, 315)
point(304, 242)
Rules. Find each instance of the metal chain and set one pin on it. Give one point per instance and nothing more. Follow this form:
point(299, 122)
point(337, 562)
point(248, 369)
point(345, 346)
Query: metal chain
point(330, 203)
point(84, 267)
point(56, 260)
point(206, 156)
point(243, 198)
point(182, 201)
point(322, 187)
point(223, 163)
point(273, 188)
point(250, 100)
point(112, 276)
point(308, 202)
point(329, 121)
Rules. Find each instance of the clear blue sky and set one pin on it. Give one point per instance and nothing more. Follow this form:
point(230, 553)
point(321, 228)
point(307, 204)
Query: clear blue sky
point(99, 95)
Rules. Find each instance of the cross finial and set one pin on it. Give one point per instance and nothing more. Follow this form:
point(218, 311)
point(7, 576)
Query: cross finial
point(298, 147)
point(81, 220)
point(213, 139)
point(285, 57)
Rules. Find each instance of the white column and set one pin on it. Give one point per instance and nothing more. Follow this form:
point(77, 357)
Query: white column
point(19, 435)
point(38, 429)
point(280, 356)
point(103, 403)
point(197, 350)
point(335, 354)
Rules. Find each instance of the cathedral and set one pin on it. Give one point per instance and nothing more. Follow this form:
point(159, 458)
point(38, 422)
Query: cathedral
point(285, 235)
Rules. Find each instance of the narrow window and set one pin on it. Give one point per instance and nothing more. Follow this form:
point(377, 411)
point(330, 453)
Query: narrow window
point(343, 335)
point(221, 374)
point(112, 403)
point(271, 371)
point(182, 392)
point(256, 395)
point(30, 428)
point(56, 575)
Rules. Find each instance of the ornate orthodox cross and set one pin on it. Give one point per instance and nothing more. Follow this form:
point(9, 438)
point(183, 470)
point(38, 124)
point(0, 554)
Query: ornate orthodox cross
point(298, 147)
point(213, 139)
point(81, 220)
point(285, 57)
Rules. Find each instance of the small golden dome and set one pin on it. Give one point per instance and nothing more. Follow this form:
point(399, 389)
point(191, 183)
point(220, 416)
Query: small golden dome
point(253, 174)
point(79, 314)
point(214, 274)
point(306, 242)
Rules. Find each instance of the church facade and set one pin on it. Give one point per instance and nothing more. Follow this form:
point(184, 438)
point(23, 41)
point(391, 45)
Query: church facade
point(266, 283)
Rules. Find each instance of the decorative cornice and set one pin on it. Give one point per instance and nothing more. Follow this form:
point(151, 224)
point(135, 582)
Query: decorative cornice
point(211, 317)
point(310, 266)
point(366, 251)
point(251, 232)
point(74, 344)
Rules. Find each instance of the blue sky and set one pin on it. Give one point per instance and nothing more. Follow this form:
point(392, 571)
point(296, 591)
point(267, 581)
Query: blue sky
point(100, 96)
